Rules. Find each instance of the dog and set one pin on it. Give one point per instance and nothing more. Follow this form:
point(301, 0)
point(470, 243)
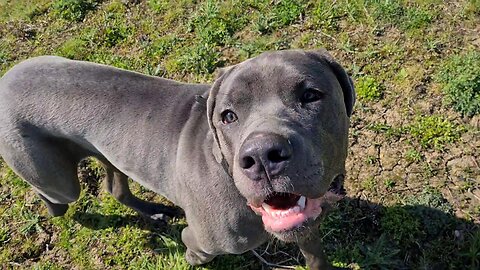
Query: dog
point(253, 155)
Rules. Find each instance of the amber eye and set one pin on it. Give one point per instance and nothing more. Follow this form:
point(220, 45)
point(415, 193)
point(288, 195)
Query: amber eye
point(229, 117)
point(311, 95)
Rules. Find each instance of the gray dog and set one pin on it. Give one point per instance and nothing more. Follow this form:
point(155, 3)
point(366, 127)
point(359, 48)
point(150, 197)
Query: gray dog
point(254, 154)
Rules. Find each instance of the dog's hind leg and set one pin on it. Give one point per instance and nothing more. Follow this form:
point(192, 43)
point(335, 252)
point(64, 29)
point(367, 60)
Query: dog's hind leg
point(117, 185)
point(48, 167)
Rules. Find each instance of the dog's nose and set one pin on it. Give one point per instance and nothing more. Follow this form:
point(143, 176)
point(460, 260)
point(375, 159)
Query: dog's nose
point(264, 153)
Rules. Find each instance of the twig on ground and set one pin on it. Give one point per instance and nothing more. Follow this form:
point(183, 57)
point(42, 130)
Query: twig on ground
point(271, 264)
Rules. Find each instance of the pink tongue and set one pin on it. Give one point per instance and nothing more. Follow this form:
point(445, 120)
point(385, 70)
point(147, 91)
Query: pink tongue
point(293, 220)
point(283, 223)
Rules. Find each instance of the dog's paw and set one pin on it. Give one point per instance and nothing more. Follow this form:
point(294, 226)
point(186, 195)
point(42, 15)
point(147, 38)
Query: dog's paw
point(197, 259)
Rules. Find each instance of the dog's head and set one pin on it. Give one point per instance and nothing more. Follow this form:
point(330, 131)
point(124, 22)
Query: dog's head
point(280, 122)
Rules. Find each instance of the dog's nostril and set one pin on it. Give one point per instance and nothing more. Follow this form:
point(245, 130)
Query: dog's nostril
point(277, 156)
point(247, 162)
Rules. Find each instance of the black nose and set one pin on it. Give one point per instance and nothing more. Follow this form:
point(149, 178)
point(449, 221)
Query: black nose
point(264, 153)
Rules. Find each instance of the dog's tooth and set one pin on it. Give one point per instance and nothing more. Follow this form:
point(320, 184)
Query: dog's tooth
point(301, 202)
point(267, 208)
point(296, 209)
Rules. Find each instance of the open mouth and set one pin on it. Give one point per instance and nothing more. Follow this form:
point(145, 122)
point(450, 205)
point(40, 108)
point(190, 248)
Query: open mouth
point(287, 211)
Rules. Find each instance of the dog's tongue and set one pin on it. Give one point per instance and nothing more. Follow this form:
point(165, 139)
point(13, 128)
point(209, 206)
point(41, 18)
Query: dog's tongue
point(277, 220)
point(283, 223)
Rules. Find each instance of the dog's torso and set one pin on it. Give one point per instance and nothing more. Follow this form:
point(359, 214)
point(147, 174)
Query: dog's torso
point(132, 120)
point(152, 129)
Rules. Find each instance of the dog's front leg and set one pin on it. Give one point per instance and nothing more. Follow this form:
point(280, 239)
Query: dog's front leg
point(312, 248)
point(194, 255)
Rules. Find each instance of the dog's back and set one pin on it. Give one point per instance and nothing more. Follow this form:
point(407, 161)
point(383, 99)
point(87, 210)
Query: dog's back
point(55, 112)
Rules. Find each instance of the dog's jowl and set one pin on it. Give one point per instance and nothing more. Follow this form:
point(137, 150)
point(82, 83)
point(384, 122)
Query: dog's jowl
point(260, 152)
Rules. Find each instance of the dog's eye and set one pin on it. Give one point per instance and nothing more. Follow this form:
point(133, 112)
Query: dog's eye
point(228, 117)
point(311, 95)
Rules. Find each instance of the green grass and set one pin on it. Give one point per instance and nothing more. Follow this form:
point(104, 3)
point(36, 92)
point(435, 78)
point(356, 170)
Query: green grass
point(73, 10)
point(460, 79)
point(368, 89)
point(415, 65)
point(435, 131)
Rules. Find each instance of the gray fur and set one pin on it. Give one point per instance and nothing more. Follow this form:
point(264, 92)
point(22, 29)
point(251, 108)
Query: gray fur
point(169, 138)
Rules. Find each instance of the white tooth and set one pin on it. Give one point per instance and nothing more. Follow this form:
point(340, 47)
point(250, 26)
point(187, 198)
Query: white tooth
point(267, 208)
point(296, 209)
point(301, 202)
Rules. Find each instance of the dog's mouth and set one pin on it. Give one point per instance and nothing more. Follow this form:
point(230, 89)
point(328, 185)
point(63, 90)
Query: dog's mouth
point(287, 211)
point(282, 211)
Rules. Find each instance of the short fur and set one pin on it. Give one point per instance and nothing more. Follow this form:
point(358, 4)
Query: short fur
point(169, 138)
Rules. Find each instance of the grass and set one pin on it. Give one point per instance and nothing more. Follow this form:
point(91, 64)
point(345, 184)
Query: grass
point(435, 131)
point(73, 10)
point(368, 89)
point(460, 79)
point(415, 65)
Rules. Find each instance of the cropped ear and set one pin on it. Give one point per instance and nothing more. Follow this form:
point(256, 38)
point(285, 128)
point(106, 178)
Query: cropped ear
point(211, 102)
point(345, 81)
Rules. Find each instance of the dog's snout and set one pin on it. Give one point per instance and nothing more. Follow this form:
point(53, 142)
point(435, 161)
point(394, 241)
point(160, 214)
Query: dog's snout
point(264, 153)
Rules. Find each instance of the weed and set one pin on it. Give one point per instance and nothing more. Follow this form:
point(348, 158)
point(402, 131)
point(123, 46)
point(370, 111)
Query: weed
point(4, 54)
point(416, 17)
point(435, 131)
point(433, 222)
point(158, 5)
point(209, 26)
point(432, 198)
point(371, 160)
point(283, 13)
point(406, 15)
point(413, 155)
point(460, 78)
point(325, 15)
point(472, 7)
point(380, 255)
point(4, 234)
point(400, 224)
point(115, 31)
point(73, 10)
point(390, 11)
point(74, 48)
point(212, 28)
point(46, 266)
point(389, 183)
point(369, 184)
point(162, 46)
point(389, 131)
point(23, 9)
point(368, 88)
point(471, 250)
point(288, 11)
point(31, 222)
point(199, 59)
point(264, 24)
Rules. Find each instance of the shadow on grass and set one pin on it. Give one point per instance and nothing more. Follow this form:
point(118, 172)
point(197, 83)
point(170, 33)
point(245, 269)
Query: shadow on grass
point(358, 234)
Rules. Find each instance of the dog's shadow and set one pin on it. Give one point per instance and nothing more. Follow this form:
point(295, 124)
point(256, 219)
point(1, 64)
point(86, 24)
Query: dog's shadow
point(357, 234)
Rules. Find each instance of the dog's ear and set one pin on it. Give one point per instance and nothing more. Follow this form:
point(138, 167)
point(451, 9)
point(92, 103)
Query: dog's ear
point(211, 102)
point(345, 81)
